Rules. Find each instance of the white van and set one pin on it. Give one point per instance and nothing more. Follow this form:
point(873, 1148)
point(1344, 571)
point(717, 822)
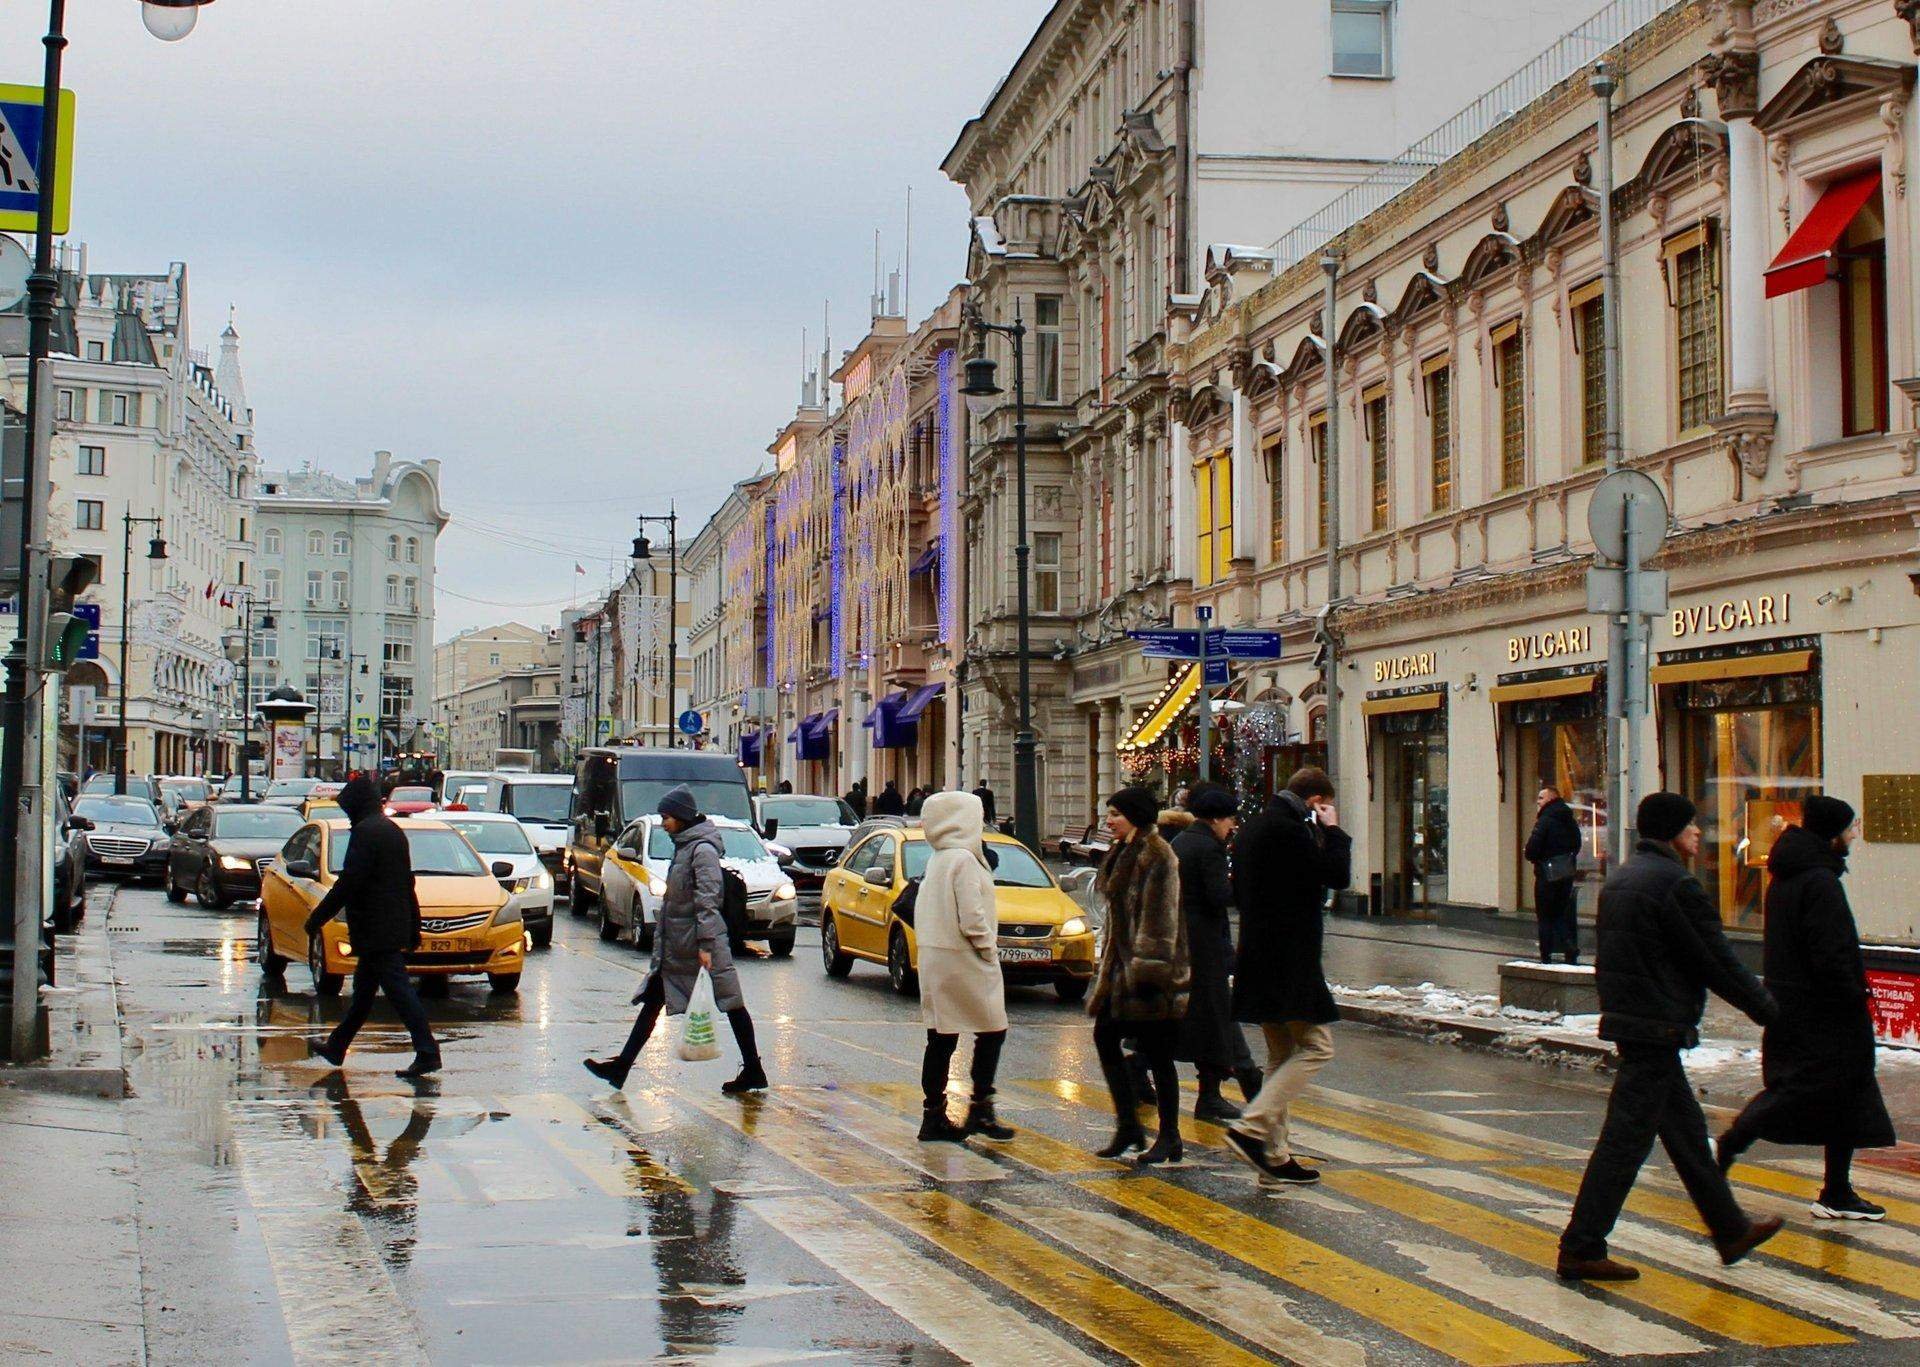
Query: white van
point(542, 803)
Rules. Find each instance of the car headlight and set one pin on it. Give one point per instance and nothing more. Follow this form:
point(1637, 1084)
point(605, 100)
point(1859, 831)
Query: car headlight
point(162, 845)
point(1074, 925)
point(509, 915)
point(783, 893)
point(542, 879)
point(235, 862)
point(519, 885)
point(656, 886)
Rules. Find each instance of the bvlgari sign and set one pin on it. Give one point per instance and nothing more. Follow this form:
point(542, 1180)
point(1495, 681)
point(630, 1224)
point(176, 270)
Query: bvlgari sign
point(1732, 614)
point(1397, 667)
point(1550, 645)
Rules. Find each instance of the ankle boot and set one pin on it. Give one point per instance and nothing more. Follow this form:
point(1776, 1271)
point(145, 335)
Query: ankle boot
point(1210, 1105)
point(982, 1121)
point(935, 1127)
point(753, 1078)
point(1166, 1149)
point(609, 1070)
point(1127, 1138)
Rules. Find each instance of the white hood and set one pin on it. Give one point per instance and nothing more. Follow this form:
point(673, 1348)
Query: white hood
point(955, 821)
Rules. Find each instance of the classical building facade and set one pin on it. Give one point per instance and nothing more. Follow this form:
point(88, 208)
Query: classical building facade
point(724, 611)
point(346, 567)
point(1128, 137)
point(1769, 330)
point(471, 706)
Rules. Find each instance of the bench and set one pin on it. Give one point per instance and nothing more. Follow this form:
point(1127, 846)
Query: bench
point(1566, 989)
point(1087, 842)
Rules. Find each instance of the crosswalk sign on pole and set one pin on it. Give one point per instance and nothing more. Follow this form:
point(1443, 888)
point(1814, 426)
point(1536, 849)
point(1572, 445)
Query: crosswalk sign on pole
point(22, 115)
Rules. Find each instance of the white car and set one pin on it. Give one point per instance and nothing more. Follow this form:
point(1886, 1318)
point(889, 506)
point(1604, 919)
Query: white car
point(814, 831)
point(499, 837)
point(633, 879)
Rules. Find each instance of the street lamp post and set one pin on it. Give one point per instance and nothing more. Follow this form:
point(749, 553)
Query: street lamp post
point(156, 550)
point(980, 390)
point(240, 650)
point(643, 550)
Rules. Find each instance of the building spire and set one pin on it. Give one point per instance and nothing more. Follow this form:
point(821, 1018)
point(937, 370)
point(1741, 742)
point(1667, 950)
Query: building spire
point(227, 378)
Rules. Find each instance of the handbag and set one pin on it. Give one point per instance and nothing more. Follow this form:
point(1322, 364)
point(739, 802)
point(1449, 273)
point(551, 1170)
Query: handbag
point(1559, 868)
point(698, 1042)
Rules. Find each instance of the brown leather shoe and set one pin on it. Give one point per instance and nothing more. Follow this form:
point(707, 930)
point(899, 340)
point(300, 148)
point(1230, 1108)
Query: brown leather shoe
point(1595, 1270)
point(1740, 1245)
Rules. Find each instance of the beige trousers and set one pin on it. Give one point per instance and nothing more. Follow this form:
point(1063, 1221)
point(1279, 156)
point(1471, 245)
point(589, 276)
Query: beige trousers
point(1296, 1050)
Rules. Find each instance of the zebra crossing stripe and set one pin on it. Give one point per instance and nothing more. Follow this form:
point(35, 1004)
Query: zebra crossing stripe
point(815, 1148)
point(1028, 1147)
point(1808, 1189)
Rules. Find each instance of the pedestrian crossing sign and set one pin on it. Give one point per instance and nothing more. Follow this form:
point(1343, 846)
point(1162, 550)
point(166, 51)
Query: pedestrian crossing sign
point(22, 115)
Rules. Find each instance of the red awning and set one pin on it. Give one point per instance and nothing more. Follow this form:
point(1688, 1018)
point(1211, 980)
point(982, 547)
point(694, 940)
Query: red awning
point(1802, 263)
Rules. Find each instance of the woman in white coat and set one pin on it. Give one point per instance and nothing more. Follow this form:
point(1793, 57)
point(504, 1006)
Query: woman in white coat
point(961, 989)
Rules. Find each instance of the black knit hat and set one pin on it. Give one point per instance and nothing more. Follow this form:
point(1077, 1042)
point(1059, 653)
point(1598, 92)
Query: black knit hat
point(679, 804)
point(1212, 801)
point(1827, 817)
point(1664, 815)
point(1138, 806)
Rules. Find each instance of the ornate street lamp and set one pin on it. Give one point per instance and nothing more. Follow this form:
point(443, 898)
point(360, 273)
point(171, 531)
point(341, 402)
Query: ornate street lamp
point(171, 20)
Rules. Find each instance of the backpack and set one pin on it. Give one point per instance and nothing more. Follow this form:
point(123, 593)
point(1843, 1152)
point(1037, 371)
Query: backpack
point(733, 907)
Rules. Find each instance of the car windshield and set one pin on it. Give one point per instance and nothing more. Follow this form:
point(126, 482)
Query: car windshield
point(255, 823)
point(806, 811)
point(411, 795)
point(639, 796)
point(434, 849)
point(128, 811)
point(292, 787)
point(493, 837)
point(735, 842)
point(549, 802)
point(103, 783)
point(185, 790)
point(1014, 866)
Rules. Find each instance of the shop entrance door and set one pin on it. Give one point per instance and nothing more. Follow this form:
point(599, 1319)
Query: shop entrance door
point(1414, 769)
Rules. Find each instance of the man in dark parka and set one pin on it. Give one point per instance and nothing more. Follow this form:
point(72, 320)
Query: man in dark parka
point(1818, 1057)
point(1555, 837)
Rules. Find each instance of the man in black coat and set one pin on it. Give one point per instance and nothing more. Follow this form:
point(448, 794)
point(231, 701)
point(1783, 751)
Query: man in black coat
point(890, 803)
point(1818, 1057)
point(1554, 851)
point(985, 794)
point(375, 890)
point(1285, 860)
point(1660, 950)
point(857, 798)
point(1209, 1033)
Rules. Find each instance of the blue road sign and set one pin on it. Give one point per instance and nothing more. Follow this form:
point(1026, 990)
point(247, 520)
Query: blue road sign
point(691, 723)
point(1244, 645)
point(22, 113)
point(1216, 672)
point(1164, 644)
point(90, 614)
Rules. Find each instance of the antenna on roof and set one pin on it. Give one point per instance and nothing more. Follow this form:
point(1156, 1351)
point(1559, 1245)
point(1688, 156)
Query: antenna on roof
point(826, 353)
point(906, 268)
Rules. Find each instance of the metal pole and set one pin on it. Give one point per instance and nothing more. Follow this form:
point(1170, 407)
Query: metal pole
point(1620, 738)
point(126, 630)
point(1329, 674)
point(1203, 615)
point(673, 615)
point(1635, 688)
point(1026, 779)
point(246, 699)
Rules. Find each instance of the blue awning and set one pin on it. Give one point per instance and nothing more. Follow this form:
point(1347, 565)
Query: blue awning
point(892, 700)
point(820, 725)
point(814, 734)
point(916, 701)
point(750, 749)
point(926, 561)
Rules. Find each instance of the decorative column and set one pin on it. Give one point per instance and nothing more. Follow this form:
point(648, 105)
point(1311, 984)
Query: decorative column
point(1107, 772)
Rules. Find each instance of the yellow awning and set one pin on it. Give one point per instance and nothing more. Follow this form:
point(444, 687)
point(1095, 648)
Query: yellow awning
point(1545, 688)
point(1735, 667)
point(1406, 702)
point(1152, 724)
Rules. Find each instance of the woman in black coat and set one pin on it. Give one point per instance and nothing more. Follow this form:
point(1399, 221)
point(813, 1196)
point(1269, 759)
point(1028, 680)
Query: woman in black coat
point(1206, 901)
point(1818, 1057)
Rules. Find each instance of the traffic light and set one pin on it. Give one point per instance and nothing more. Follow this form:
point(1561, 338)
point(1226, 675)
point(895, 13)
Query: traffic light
point(68, 576)
point(66, 636)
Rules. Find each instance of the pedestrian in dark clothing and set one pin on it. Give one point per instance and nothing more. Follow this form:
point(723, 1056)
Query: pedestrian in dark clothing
point(985, 794)
point(1285, 861)
point(1554, 851)
point(786, 785)
point(692, 935)
point(889, 803)
point(1206, 901)
point(1660, 950)
point(1817, 1059)
point(375, 890)
point(916, 800)
point(1140, 986)
point(857, 798)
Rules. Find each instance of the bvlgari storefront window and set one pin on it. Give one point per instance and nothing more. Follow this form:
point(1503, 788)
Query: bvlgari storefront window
point(1407, 760)
point(1554, 733)
point(1742, 732)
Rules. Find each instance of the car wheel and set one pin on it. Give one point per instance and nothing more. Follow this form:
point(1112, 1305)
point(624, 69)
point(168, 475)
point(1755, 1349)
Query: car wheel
point(1071, 989)
point(838, 963)
point(643, 936)
point(780, 943)
point(209, 892)
point(325, 984)
point(581, 899)
point(900, 965)
point(175, 893)
point(609, 928)
point(503, 983)
point(543, 937)
point(273, 966)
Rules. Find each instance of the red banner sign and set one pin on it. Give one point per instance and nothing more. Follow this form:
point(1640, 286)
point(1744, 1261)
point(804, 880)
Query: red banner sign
point(1895, 1006)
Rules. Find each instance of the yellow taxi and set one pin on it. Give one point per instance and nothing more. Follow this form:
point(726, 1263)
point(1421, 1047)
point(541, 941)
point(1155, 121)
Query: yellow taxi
point(469, 924)
point(1044, 936)
point(321, 809)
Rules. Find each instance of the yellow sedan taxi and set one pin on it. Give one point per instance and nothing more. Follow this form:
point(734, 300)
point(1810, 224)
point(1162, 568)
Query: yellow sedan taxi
point(1044, 937)
point(469, 924)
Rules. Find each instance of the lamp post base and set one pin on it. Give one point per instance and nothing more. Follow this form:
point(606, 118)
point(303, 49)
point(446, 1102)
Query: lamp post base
point(1026, 791)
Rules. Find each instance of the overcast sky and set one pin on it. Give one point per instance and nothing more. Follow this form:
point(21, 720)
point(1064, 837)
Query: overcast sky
point(567, 246)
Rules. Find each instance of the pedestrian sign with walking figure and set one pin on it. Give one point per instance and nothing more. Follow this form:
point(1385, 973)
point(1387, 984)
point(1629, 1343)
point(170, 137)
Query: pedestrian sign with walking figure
point(22, 115)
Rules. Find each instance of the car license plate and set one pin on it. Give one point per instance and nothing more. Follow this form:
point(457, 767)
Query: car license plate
point(116, 859)
point(448, 944)
point(1025, 954)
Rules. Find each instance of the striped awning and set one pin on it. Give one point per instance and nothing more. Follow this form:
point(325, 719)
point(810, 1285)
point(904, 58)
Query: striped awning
point(1174, 700)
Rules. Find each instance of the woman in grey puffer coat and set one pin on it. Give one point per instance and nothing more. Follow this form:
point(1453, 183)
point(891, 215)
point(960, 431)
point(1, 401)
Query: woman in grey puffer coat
point(692, 935)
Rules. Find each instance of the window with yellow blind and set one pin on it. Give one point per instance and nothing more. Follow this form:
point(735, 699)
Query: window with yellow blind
point(1213, 518)
point(1436, 375)
point(1510, 382)
point(1317, 441)
point(1273, 458)
point(1373, 410)
point(1590, 344)
point(1693, 287)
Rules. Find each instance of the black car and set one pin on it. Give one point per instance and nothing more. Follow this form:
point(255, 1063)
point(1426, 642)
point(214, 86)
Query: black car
point(127, 838)
point(69, 865)
point(138, 785)
point(218, 852)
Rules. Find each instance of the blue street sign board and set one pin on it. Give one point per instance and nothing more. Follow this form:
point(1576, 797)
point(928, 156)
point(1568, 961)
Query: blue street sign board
point(90, 614)
point(1216, 672)
point(1163, 644)
point(22, 112)
point(691, 723)
point(1244, 645)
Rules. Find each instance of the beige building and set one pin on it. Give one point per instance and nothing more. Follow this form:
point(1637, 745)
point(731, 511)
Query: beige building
point(1769, 326)
point(518, 708)
point(483, 652)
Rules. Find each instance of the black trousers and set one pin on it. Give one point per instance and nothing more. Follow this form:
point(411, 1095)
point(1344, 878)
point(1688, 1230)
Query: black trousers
point(1752, 1121)
point(937, 1063)
point(1651, 1099)
point(1553, 905)
point(384, 971)
point(654, 1000)
point(1153, 1042)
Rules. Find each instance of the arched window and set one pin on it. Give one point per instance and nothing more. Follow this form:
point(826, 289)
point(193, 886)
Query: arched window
point(342, 544)
point(316, 543)
point(393, 548)
point(270, 585)
point(413, 550)
point(270, 541)
point(340, 588)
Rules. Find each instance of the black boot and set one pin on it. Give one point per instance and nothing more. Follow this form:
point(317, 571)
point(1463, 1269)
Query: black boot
point(1166, 1149)
point(609, 1070)
point(1128, 1137)
point(423, 1065)
point(753, 1078)
point(935, 1127)
point(1210, 1105)
point(1249, 1080)
point(982, 1121)
point(1142, 1079)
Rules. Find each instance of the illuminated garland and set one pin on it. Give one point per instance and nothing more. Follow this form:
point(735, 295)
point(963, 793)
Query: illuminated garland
point(838, 563)
point(948, 581)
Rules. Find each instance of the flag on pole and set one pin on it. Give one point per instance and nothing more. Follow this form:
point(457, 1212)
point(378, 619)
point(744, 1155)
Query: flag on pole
point(578, 568)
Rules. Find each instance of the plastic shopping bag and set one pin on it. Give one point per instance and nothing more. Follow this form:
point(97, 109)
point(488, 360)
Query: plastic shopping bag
point(697, 1040)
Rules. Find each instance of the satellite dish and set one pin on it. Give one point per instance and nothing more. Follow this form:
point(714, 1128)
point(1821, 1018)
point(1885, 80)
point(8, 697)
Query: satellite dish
point(15, 266)
point(1627, 500)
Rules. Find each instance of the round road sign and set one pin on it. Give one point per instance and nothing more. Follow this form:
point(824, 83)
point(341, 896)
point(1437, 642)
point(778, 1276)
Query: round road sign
point(692, 723)
point(1627, 500)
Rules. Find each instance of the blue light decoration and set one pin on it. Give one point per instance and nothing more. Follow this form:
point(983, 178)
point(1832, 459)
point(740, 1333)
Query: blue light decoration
point(838, 568)
point(947, 580)
point(773, 605)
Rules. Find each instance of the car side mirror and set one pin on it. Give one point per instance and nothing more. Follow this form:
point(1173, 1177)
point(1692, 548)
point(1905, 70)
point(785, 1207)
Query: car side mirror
point(879, 877)
point(79, 823)
point(302, 868)
point(770, 828)
point(501, 869)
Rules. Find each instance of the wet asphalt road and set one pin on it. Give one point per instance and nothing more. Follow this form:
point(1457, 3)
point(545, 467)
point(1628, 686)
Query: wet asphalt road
point(515, 1211)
